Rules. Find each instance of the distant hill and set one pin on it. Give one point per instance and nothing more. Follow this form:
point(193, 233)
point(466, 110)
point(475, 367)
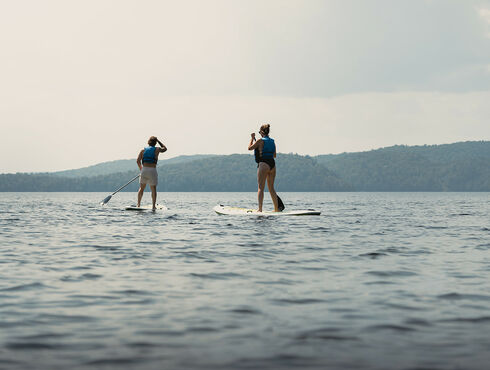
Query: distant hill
point(461, 166)
point(450, 167)
point(124, 165)
point(236, 172)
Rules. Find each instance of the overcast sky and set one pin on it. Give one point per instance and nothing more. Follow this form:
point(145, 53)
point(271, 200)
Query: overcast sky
point(84, 82)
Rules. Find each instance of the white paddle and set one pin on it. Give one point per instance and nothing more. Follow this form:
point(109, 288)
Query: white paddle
point(108, 198)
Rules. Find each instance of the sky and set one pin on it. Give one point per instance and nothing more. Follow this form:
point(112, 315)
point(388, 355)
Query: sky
point(84, 82)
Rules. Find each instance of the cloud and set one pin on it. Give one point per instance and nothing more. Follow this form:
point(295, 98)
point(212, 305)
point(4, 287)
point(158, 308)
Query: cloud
point(274, 48)
point(485, 15)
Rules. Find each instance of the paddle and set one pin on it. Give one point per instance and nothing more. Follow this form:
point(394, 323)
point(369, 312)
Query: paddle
point(108, 198)
point(280, 204)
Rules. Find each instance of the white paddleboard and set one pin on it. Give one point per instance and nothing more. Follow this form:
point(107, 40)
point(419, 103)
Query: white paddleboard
point(149, 207)
point(227, 210)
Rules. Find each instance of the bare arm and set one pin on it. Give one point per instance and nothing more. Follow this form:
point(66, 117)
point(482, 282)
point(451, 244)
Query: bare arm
point(163, 148)
point(253, 144)
point(138, 161)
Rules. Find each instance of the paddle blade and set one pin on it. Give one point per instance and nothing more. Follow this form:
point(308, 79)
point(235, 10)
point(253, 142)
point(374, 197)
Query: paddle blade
point(280, 204)
point(106, 199)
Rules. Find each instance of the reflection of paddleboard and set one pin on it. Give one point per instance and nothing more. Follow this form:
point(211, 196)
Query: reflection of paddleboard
point(159, 207)
point(227, 210)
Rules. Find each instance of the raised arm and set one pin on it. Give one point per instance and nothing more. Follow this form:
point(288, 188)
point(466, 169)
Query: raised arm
point(253, 144)
point(163, 148)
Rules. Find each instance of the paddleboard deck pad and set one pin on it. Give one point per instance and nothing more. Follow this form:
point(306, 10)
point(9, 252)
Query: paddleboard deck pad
point(149, 207)
point(227, 210)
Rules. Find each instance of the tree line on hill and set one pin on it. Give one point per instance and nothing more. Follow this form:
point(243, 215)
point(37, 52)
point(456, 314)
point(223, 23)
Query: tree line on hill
point(461, 166)
point(235, 172)
point(451, 167)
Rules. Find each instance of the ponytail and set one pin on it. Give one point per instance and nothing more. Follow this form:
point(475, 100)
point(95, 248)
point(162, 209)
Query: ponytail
point(265, 129)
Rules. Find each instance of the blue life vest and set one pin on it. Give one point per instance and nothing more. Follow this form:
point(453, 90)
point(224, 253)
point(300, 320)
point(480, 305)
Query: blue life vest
point(269, 147)
point(149, 155)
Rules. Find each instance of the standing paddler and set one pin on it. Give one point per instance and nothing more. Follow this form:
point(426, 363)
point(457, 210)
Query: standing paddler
point(266, 168)
point(147, 163)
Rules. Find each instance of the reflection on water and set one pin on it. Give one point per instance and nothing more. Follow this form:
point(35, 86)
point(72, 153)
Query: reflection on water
point(378, 281)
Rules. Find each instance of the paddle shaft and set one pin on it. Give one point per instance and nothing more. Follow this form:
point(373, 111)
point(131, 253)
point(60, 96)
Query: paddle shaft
point(122, 187)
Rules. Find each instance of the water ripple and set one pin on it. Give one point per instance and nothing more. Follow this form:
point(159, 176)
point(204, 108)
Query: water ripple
point(216, 276)
point(333, 334)
point(300, 301)
point(399, 273)
point(458, 296)
point(23, 287)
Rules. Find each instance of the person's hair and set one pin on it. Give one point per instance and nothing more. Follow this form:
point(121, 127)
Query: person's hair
point(265, 129)
point(152, 141)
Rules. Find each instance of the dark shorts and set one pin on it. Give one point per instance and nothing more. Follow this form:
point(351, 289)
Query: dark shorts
point(270, 161)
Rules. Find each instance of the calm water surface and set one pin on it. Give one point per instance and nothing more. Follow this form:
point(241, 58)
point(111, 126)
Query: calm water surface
point(378, 281)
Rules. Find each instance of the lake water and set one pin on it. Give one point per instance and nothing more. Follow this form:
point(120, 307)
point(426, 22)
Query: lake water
point(378, 281)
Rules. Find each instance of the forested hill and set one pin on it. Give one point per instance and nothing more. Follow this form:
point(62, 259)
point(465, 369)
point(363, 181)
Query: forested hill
point(235, 172)
point(461, 166)
point(451, 167)
point(125, 165)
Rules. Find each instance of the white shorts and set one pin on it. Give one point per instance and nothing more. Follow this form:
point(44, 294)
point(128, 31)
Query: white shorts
point(149, 175)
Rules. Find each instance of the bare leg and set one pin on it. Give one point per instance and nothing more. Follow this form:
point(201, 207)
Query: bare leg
point(271, 176)
point(140, 193)
point(262, 172)
point(153, 195)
